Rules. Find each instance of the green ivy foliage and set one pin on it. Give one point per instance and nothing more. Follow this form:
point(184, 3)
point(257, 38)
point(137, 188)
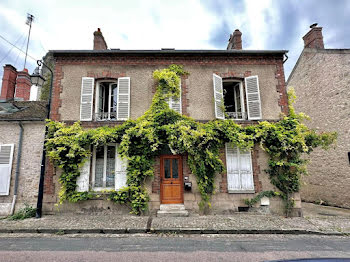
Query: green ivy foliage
point(141, 141)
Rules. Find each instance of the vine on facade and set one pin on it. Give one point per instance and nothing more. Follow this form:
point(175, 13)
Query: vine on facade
point(141, 140)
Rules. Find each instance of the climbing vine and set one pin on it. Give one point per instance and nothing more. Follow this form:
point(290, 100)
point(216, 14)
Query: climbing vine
point(141, 140)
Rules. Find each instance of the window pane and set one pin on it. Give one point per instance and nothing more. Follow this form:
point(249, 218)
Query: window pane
point(110, 172)
point(167, 168)
point(99, 166)
point(114, 101)
point(175, 168)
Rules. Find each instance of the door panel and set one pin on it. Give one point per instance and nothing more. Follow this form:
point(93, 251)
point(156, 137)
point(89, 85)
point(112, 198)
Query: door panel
point(171, 188)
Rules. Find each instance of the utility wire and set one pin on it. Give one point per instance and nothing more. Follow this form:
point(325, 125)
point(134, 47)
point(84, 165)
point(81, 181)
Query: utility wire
point(19, 52)
point(16, 47)
point(11, 48)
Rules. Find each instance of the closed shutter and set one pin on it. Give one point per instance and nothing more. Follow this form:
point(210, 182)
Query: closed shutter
point(123, 101)
point(6, 157)
point(175, 103)
point(120, 173)
point(83, 179)
point(87, 95)
point(239, 170)
point(218, 97)
point(253, 97)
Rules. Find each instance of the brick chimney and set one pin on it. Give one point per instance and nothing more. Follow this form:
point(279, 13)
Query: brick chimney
point(314, 38)
point(8, 82)
point(235, 41)
point(23, 85)
point(99, 41)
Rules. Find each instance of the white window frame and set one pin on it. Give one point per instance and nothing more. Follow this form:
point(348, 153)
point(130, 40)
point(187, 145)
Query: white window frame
point(240, 191)
point(104, 167)
point(97, 101)
point(9, 165)
point(244, 116)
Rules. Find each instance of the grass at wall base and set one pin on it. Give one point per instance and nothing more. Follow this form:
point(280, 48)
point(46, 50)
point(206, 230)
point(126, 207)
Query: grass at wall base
point(141, 140)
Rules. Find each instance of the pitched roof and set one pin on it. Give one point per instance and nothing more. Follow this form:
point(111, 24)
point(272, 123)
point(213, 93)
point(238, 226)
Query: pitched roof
point(23, 111)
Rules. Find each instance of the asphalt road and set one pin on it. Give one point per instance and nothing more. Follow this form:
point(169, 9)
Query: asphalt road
point(172, 248)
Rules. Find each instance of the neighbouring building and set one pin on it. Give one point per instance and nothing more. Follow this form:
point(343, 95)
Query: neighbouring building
point(108, 86)
point(321, 79)
point(22, 129)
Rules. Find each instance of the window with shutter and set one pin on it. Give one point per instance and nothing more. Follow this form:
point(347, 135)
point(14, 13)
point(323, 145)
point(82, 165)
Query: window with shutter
point(6, 157)
point(239, 170)
point(175, 103)
point(108, 169)
point(253, 97)
point(218, 97)
point(87, 94)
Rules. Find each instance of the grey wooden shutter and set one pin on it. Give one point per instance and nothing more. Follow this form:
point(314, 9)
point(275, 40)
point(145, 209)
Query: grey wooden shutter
point(239, 170)
point(83, 179)
point(175, 103)
point(253, 97)
point(87, 95)
point(120, 173)
point(6, 157)
point(218, 97)
point(123, 100)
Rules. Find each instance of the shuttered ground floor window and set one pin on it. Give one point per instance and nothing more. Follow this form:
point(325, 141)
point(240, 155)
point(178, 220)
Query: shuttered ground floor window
point(239, 170)
point(6, 157)
point(107, 167)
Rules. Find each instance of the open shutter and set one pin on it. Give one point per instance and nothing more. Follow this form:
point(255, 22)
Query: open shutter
point(123, 101)
point(218, 97)
point(175, 103)
point(87, 95)
point(232, 165)
point(83, 179)
point(120, 173)
point(253, 97)
point(6, 157)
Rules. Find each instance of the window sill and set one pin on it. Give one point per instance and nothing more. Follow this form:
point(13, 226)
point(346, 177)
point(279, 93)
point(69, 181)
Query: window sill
point(241, 191)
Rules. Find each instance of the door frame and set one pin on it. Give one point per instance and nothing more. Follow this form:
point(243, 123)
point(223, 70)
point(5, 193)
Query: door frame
point(162, 173)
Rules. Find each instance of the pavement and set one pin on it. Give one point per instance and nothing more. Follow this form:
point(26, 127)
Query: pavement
point(317, 220)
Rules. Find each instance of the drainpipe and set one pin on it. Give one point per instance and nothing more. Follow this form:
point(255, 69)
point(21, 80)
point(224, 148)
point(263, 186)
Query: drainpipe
point(19, 154)
point(39, 205)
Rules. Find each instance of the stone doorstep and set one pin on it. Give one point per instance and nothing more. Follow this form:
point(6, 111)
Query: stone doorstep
point(172, 210)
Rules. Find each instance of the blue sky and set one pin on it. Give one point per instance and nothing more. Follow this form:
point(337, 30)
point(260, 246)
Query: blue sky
point(180, 24)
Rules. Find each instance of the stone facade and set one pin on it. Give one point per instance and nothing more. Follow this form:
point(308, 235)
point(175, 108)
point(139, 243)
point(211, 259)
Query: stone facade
point(321, 80)
point(29, 172)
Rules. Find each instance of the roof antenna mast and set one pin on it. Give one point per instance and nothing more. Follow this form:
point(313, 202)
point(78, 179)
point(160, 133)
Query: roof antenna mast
point(30, 19)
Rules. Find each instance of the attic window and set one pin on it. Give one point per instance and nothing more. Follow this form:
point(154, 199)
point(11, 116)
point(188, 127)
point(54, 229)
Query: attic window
point(8, 108)
point(234, 100)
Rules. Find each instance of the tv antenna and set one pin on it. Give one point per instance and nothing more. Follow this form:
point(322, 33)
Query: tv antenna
point(30, 19)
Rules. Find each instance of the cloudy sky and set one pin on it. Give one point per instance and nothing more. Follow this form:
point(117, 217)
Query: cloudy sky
point(180, 24)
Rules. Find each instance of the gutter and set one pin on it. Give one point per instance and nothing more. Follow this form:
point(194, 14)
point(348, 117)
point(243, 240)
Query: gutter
point(19, 154)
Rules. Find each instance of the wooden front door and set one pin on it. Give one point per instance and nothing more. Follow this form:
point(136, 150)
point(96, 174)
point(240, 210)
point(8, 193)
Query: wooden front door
point(171, 182)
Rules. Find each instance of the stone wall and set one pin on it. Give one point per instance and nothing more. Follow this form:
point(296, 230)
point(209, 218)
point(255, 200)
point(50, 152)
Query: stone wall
point(29, 173)
point(321, 80)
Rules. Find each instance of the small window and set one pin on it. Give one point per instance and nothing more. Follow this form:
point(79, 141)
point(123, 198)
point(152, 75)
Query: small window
point(234, 100)
point(107, 101)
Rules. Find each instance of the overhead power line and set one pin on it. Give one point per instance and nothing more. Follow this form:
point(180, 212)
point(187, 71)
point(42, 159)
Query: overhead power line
point(11, 48)
point(16, 47)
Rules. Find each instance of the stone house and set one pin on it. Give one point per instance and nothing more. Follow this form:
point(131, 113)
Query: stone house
point(22, 129)
point(321, 79)
point(108, 86)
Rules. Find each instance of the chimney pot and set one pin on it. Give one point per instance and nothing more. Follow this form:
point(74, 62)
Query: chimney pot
point(314, 38)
